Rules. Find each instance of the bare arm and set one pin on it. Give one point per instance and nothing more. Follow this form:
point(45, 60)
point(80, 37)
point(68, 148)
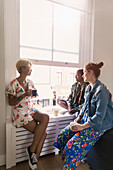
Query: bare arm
point(15, 100)
point(79, 127)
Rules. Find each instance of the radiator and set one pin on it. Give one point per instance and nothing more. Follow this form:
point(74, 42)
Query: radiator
point(17, 139)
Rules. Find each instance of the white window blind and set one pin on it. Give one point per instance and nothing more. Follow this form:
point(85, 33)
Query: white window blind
point(83, 5)
point(56, 33)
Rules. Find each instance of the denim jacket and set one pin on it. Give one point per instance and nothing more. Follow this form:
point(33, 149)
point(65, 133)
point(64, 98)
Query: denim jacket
point(100, 117)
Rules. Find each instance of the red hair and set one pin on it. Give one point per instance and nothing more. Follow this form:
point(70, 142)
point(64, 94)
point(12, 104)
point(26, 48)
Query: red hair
point(95, 67)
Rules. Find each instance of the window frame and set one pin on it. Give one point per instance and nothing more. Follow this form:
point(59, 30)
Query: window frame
point(85, 51)
point(12, 44)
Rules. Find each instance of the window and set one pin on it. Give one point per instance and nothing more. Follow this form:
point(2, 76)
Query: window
point(49, 32)
point(56, 38)
point(56, 77)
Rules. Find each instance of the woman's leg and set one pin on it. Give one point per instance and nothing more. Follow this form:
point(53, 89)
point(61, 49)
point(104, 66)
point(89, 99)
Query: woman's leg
point(77, 147)
point(40, 145)
point(38, 127)
point(31, 126)
point(63, 138)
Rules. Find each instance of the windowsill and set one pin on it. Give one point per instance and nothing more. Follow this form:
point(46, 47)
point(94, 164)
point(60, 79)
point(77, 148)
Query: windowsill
point(50, 110)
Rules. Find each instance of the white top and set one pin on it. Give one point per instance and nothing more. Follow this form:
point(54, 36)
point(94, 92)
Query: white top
point(24, 110)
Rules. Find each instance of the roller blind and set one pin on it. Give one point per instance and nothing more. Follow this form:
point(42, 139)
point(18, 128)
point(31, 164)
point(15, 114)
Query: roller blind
point(82, 5)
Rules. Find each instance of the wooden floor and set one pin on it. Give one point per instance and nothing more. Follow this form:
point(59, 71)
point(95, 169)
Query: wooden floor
point(48, 162)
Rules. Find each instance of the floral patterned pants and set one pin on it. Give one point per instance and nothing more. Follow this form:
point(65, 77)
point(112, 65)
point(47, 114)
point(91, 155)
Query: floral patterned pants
point(75, 145)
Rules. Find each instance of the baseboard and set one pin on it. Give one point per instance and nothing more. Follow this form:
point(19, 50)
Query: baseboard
point(2, 160)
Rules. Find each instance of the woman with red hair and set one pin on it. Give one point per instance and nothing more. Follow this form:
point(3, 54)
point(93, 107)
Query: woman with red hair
point(95, 118)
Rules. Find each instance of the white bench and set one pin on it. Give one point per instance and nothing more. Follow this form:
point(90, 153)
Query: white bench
point(17, 139)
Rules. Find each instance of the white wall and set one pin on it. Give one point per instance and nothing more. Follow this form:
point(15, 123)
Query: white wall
point(103, 51)
point(8, 57)
point(103, 39)
point(2, 85)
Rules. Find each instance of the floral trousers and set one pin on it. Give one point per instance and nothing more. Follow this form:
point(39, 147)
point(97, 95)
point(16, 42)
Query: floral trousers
point(75, 145)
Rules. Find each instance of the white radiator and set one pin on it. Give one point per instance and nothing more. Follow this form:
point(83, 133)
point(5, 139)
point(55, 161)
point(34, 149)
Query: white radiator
point(17, 139)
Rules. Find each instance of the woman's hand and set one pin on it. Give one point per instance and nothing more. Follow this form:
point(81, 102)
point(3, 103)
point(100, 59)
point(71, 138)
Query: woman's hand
point(78, 119)
point(76, 127)
point(29, 92)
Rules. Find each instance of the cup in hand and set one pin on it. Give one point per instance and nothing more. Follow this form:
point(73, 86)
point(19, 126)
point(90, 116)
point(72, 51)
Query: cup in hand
point(34, 93)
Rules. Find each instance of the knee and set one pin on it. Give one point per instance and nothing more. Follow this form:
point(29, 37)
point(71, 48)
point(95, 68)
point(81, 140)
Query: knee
point(46, 118)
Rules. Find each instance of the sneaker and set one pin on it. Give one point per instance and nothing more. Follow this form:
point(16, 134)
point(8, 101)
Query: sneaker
point(32, 159)
point(84, 160)
point(35, 157)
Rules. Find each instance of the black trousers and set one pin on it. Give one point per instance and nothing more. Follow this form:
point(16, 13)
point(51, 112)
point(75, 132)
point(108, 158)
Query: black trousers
point(100, 157)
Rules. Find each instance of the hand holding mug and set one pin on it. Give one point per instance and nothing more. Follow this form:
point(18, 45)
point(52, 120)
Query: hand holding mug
point(29, 92)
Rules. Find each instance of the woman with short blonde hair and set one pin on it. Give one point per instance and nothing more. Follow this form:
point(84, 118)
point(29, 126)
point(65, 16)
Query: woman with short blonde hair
point(22, 63)
point(24, 114)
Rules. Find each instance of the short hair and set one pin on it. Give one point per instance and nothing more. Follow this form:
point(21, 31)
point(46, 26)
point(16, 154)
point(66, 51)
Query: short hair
point(80, 71)
point(95, 67)
point(22, 63)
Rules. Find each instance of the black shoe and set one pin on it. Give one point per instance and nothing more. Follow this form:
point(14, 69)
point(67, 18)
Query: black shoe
point(32, 159)
point(84, 160)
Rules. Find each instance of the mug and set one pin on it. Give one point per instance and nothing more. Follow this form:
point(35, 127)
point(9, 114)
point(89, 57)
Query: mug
point(56, 112)
point(34, 93)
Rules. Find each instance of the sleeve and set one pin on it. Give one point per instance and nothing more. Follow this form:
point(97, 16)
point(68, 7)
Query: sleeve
point(101, 108)
point(69, 100)
point(12, 88)
point(82, 110)
point(87, 89)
